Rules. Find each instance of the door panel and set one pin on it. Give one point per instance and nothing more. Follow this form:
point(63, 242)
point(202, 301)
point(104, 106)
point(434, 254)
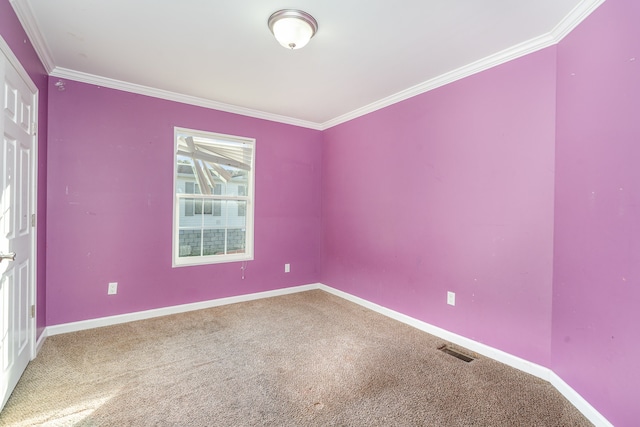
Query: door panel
point(16, 232)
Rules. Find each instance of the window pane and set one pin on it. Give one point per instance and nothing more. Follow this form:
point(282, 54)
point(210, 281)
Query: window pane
point(208, 207)
point(213, 221)
point(238, 180)
point(190, 217)
point(219, 164)
point(214, 241)
point(230, 210)
point(213, 171)
point(186, 210)
point(190, 243)
point(185, 166)
point(216, 208)
point(235, 240)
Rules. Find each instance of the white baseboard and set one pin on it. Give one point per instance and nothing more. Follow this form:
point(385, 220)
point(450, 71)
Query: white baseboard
point(485, 350)
point(183, 308)
point(39, 343)
point(578, 401)
point(508, 359)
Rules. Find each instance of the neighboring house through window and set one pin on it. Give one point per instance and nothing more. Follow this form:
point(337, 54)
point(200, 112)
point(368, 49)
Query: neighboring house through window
point(213, 209)
point(242, 208)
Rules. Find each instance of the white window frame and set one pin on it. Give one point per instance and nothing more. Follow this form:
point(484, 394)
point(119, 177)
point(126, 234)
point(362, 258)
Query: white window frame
point(178, 261)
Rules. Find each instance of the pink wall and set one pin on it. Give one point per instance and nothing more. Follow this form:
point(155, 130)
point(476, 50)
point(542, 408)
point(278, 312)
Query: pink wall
point(596, 292)
point(14, 35)
point(451, 190)
point(110, 204)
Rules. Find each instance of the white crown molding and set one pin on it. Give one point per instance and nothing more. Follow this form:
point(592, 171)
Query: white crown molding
point(577, 15)
point(30, 25)
point(93, 79)
point(465, 71)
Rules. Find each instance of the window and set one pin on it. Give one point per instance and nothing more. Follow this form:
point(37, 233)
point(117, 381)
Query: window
point(242, 209)
point(213, 198)
point(217, 207)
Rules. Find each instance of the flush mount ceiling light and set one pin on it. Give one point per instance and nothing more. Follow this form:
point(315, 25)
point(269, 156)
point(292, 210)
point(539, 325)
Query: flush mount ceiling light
point(292, 28)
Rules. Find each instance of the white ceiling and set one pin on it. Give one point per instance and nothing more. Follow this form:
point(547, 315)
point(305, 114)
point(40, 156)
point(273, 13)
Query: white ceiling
point(221, 54)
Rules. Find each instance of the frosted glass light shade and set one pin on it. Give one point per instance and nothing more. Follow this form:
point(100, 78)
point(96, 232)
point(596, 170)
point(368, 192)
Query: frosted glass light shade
point(292, 28)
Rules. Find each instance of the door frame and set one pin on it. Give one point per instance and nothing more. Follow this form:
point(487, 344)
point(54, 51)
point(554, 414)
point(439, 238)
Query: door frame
point(33, 286)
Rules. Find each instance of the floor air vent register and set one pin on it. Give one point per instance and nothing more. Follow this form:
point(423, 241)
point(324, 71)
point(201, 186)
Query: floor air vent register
point(455, 353)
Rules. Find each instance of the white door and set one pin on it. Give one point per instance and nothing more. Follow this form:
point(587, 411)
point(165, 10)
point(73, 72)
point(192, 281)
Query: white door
point(17, 151)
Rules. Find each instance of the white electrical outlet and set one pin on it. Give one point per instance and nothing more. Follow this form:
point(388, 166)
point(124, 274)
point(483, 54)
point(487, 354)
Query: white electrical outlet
point(287, 268)
point(451, 298)
point(113, 288)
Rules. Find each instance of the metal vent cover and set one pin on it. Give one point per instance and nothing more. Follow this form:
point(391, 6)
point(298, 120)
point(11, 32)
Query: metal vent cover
point(456, 353)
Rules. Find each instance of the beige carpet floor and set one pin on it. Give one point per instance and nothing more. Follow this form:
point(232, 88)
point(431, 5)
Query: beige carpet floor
point(306, 359)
